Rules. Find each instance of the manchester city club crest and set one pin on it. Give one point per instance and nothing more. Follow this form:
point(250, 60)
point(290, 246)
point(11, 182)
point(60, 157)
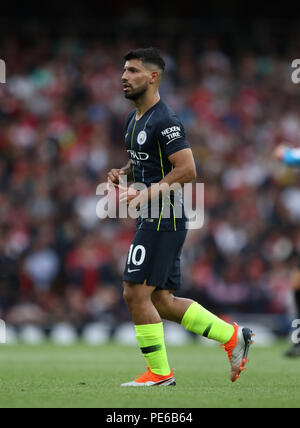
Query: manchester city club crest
point(141, 138)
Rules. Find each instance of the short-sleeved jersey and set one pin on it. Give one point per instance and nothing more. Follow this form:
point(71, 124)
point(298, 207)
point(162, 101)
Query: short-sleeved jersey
point(149, 142)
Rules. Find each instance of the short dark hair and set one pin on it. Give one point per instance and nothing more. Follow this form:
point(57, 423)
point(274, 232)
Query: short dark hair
point(146, 55)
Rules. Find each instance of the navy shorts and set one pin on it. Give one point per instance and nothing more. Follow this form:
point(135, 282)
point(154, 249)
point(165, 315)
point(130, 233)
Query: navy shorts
point(154, 257)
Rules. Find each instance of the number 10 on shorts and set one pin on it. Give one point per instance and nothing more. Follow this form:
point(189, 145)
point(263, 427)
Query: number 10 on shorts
point(136, 255)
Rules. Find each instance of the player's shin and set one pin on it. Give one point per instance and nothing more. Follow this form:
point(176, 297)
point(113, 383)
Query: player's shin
point(200, 321)
point(150, 338)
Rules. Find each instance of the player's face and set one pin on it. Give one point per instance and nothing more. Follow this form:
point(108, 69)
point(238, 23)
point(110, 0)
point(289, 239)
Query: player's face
point(135, 79)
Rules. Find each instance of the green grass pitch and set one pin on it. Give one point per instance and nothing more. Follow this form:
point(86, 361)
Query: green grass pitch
point(78, 376)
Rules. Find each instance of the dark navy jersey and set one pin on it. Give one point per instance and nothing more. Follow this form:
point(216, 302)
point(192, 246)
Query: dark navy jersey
point(149, 142)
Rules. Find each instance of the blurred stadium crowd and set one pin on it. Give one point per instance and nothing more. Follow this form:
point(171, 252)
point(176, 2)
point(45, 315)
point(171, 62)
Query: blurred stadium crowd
point(62, 115)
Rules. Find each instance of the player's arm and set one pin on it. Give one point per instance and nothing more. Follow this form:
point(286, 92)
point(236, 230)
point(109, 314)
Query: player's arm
point(184, 169)
point(172, 143)
point(113, 177)
point(287, 155)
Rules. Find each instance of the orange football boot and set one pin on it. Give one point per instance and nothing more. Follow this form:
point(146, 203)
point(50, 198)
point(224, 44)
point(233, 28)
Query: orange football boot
point(151, 379)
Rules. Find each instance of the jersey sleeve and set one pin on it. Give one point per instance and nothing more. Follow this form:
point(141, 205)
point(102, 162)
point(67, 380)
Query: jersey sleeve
point(292, 157)
point(171, 135)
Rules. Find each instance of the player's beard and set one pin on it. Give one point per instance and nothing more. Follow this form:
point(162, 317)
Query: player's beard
point(135, 94)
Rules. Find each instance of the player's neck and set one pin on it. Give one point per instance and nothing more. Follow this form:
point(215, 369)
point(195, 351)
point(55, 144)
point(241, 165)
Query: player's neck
point(144, 103)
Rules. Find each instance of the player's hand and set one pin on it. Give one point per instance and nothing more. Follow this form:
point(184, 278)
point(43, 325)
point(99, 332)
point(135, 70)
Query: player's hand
point(127, 194)
point(113, 177)
point(278, 153)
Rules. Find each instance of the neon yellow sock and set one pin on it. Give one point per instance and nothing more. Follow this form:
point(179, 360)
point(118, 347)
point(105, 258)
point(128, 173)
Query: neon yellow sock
point(199, 320)
point(150, 338)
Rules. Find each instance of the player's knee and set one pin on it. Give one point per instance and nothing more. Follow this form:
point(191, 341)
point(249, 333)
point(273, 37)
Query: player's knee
point(134, 295)
point(156, 300)
point(127, 294)
point(162, 301)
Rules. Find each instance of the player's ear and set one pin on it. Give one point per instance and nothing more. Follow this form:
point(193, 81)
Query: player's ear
point(154, 77)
